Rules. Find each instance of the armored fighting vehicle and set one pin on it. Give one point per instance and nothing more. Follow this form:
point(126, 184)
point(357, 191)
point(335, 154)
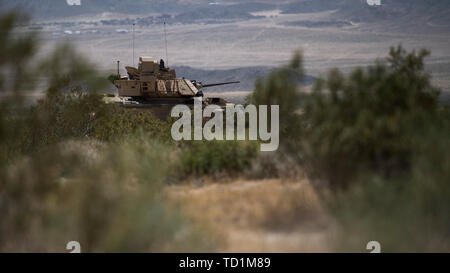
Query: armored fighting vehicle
point(152, 84)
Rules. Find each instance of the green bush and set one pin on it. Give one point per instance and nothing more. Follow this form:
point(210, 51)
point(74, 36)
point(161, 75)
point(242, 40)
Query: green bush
point(364, 122)
point(407, 214)
point(117, 123)
point(113, 77)
point(203, 157)
point(281, 87)
point(379, 139)
point(79, 115)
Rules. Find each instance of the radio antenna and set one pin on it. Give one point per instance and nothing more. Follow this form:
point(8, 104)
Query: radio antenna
point(133, 44)
point(165, 39)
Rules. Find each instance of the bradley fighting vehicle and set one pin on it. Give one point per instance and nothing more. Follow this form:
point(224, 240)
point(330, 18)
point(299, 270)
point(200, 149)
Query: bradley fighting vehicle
point(155, 87)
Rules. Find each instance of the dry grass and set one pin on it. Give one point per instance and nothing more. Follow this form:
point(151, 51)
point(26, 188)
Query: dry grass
point(265, 215)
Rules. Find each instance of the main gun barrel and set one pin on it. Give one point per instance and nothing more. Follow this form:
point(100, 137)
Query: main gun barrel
point(217, 84)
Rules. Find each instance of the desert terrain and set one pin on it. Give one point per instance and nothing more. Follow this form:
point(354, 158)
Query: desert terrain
point(266, 40)
point(244, 43)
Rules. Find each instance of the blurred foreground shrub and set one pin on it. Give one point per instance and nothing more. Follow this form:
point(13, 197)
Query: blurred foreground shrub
point(107, 197)
point(58, 183)
point(379, 140)
point(407, 214)
point(376, 141)
point(281, 87)
point(365, 122)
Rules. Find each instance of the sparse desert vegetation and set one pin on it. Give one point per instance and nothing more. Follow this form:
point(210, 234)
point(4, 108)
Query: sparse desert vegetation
point(363, 156)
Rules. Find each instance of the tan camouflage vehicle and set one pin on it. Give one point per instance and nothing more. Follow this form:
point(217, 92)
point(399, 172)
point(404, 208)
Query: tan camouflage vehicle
point(152, 84)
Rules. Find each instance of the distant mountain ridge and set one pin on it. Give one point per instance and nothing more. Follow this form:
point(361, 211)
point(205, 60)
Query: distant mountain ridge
point(413, 14)
point(432, 12)
point(397, 12)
